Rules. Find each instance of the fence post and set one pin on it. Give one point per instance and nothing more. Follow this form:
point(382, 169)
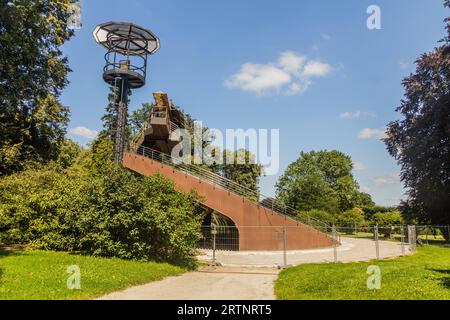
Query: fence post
point(335, 240)
point(448, 234)
point(412, 238)
point(377, 244)
point(403, 240)
point(284, 247)
point(214, 232)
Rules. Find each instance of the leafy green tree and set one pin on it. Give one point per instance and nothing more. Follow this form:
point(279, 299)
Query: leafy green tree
point(110, 117)
point(387, 221)
point(101, 155)
point(322, 216)
point(351, 217)
point(33, 72)
point(420, 141)
point(392, 218)
point(69, 153)
point(139, 117)
point(243, 170)
point(319, 180)
point(365, 200)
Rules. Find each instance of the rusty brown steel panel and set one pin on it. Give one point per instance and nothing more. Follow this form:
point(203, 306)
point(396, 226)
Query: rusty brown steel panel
point(243, 212)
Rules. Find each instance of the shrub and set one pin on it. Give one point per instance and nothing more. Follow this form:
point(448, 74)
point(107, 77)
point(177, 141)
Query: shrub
point(385, 220)
point(351, 218)
point(139, 218)
point(322, 216)
point(40, 208)
point(115, 215)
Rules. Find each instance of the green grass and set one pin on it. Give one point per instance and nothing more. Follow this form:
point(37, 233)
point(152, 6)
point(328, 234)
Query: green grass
point(430, 239)
point(423, 276)
point(42, 275)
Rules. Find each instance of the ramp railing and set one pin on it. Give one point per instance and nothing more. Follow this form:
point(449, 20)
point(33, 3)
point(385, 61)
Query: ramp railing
point(219, 181)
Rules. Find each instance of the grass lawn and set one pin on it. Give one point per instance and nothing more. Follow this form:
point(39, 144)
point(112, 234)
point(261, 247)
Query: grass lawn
point(423, 276)
point(430, 239)
point(42, 275)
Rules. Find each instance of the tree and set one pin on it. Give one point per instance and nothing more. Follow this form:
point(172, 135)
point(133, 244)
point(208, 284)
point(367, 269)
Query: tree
point(352, 217)
point(33, 72)
point(387, 221)
point(110, 117)
point(420, 141)
point(69, 153)
point(139, 117)
point(365, 200)
point(319, 180)
point(243, 171)
point(322, 216)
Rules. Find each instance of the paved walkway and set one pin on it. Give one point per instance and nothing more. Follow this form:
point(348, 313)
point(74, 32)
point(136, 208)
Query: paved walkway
point(350, 250)
point(207, 284)
point(249, 275)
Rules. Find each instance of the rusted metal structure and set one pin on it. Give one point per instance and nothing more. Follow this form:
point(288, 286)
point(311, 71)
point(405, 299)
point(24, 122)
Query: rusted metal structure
point(150, 154)
point(231, 201)
point(160, 132)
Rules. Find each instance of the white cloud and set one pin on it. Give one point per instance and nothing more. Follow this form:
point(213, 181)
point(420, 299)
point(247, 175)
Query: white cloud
point(325, 36)
point(366, 189)
point(359, 166)
point(403, 65)
point(258, 78)
point(291, 62)
point(294, 89)
point(356, 115)
point(388, 180)
point(290, 74)
point(84, 132)
point(377, 134)
point(316, 69)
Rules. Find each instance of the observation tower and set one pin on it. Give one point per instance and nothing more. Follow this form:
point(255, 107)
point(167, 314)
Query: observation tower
point(128, 47)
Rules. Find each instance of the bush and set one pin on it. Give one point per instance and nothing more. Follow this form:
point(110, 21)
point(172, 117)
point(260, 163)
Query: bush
point(322, 216)
point(350, 219)
point(115, 215)
point(40, 208)
point(139, 218)
point(386, 221)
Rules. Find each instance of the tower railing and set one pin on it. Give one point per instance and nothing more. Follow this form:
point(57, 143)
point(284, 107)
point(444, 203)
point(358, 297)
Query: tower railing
point(219, 181)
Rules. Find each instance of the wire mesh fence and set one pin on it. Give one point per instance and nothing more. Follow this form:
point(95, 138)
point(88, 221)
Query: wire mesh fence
point(282, 246)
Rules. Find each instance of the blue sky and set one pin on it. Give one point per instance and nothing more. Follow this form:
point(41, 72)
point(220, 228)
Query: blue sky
point(310, 68)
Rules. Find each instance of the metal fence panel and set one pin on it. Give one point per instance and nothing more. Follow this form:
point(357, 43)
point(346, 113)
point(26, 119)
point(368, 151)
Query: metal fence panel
point(222, 245)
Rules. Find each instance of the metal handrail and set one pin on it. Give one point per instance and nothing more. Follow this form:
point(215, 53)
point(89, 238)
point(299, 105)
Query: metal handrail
point(221, 182)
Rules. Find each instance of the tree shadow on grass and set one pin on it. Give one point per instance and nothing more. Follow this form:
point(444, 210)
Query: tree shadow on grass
point(446, 280)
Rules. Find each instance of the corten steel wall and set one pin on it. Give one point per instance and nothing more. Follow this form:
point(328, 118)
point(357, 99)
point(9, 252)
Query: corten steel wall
point(243, 212)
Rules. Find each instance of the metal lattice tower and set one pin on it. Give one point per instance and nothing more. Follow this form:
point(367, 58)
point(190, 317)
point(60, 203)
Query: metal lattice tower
point(128, 47)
